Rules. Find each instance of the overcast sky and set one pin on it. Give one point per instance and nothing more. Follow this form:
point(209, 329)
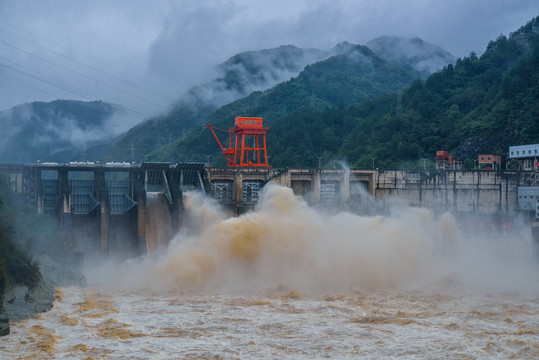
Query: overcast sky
point(143, 54)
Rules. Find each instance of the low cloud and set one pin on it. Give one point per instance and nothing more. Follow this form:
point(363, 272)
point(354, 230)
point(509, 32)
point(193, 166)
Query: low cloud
point(145, 55)
point(38, 134)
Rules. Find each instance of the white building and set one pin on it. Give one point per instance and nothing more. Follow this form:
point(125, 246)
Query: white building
point(523, 151)
point(528, 155)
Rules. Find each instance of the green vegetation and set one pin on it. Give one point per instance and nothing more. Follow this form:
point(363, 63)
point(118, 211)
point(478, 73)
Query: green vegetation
point(342, 108)
point(239, 75)
point(351, 77)
point(481, 104)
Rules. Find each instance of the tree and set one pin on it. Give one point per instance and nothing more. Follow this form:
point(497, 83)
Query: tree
point(468, 164)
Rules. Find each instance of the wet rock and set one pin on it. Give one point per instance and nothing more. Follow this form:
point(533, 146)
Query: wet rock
point(21, 303)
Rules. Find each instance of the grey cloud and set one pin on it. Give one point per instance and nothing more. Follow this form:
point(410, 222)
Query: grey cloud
point(167, 46)
point(417, 53)
point(192, 41)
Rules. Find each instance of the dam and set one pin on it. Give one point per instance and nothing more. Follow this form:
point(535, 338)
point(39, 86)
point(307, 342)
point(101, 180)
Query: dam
point(127, 209)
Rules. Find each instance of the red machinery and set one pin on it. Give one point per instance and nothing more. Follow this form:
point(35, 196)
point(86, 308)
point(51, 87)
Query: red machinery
point(443, 159)
point(242, 154)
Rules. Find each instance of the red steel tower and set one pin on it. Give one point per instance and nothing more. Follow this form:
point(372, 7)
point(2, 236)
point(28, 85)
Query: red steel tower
point(249, 143)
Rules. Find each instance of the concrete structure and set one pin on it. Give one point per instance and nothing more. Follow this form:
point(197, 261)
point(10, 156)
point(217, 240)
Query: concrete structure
point(103, 208)
point(528, 189)
point(238, 189)
point(485, 192)
point(112, 209)
point(480, 192)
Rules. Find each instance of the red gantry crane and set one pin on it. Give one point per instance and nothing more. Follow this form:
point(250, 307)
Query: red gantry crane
point(245, 130)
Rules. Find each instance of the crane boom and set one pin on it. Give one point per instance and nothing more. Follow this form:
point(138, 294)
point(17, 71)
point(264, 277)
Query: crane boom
point(216, 138)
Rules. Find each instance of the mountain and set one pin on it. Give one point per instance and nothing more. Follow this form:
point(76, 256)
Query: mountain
point(355, 75)
point(239, 76)
point(478, 105)
point(264, 82)
point(247, 74)
point(60, 131)
point(416, 53)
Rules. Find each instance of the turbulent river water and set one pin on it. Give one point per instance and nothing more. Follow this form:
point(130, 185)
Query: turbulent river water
point(287, 281)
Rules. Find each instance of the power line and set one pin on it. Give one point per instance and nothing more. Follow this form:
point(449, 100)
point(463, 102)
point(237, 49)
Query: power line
point(130, 75)
point(42, 78)
point(47, 80)
point(81, 74)
point(28, 85)
point(140, 87)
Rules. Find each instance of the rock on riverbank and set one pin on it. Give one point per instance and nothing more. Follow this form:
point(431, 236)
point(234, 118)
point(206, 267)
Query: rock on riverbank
point(21, 303)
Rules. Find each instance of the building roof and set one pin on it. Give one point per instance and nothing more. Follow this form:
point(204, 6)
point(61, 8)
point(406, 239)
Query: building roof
point(523, 151)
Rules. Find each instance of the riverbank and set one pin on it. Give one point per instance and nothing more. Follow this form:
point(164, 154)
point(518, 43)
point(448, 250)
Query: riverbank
point(21, 303)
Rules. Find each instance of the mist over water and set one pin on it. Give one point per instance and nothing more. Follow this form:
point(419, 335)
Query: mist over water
point(285, 245)
point(290, 281)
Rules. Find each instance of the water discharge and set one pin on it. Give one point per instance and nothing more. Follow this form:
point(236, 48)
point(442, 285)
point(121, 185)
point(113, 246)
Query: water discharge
point(290, 281)
point(286, 244)
point(158, 222)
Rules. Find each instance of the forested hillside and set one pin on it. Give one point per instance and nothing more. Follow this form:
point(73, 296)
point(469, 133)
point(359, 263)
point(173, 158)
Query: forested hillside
point(66, 130)
point(481, 104)
point(355, 75)
point(345, 74)
point(236, 78)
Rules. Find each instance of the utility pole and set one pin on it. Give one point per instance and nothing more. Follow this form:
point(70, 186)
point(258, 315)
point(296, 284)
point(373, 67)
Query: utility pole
point(373, 163)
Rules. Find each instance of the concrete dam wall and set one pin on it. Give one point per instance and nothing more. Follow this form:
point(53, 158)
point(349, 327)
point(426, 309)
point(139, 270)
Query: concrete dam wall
point(130, 209)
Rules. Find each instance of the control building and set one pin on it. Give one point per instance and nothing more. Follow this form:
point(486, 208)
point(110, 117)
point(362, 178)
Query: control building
point(527, 155)
point(489, 161)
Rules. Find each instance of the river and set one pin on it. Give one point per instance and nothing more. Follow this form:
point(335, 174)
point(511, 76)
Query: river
point(287, 281)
